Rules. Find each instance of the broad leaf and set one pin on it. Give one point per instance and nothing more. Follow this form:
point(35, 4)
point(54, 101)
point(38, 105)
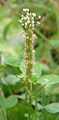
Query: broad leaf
point(52, 108)
point(38, 69)
point(11, 101)
point(34, 77)
point(54, 42)
point(2, 102)
point(12, 79)
point(22, 66)
point(6, 69)
point(49, 79)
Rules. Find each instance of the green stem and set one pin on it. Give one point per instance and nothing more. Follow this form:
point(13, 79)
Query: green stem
point(35, 104)
point(29, 67)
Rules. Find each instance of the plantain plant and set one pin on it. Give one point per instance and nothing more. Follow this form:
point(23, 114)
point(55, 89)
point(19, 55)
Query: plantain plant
point(38, 102)
point(28, 22)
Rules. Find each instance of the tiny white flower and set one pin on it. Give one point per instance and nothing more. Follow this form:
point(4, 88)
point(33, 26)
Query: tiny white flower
point(20, 21)
point(34, 14)
point(39, 17)
point(27, 14)
point(33, 51)
point(27, 37)
point(28, 21)
point(24, 9)
point(22, 15)
point(26, 25)
point(30, 14)
point(38, 22)
point(32, 21)
point(22, 18)
point(22, 24)
point(27, 18)
point(27, 10)
point(34, 36)
point(32, 18)
point(30, 25)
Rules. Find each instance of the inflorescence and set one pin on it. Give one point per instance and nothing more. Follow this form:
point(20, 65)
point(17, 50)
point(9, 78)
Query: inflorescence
point(28, 19)
point(28, 22)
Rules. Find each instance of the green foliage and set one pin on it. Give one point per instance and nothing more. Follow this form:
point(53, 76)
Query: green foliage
point(45, 80)
point(3, 115)
point(12, 79)
point(10, 102)
point(52, 108)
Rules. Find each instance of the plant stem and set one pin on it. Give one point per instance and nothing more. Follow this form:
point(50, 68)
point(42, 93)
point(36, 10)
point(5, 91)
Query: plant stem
point(28, 22)
point(28, 47)
point(35, 103)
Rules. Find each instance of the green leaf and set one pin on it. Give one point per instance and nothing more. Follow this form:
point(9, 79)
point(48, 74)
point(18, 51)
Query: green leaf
point(2, 102)
point(11, 101)
point(4, 11)
point(22, 66)
point(39, 106)
point(12, 60)
point(17, 113)
point(50, 83)
point(8, 69)
point(34, 77)
point(45, 67)
point(53, 90)
point(54, 42)
point(49, 79)
point(37, 69)
point(12, 79)
point(3, 115)
point(10, 29)
point(2, 108)
point(52, 108)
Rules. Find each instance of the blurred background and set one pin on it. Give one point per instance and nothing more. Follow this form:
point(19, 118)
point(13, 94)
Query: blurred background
point(46, 45)
point(47, 42)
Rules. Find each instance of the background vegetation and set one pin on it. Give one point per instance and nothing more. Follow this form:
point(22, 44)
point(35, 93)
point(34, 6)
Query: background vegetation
point(12, 92)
